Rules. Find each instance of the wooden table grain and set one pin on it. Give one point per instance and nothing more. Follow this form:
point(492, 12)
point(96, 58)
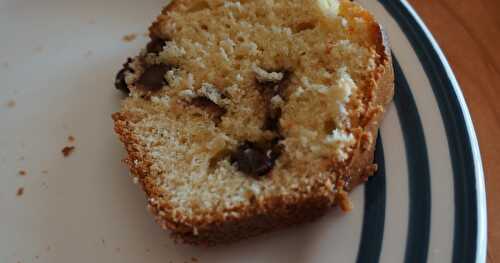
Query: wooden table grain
point(468, 31)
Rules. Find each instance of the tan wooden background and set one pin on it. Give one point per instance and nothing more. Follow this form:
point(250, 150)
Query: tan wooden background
point(468, 31)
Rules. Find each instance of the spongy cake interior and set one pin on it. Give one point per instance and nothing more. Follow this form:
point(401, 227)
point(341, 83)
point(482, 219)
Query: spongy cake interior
point(222, 50)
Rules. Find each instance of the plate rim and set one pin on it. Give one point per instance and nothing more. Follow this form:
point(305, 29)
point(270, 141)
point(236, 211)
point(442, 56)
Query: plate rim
point(481, 245)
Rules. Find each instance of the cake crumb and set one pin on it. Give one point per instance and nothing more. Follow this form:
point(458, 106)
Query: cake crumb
point(45, 172)
point(11, 103)
point(344, 201)
point(117, 249)
point(129, 37)
point(20, 191)
point(194, 259)
point(22, 173)
point(48, 248)
point(67, 150)
point(71, 138)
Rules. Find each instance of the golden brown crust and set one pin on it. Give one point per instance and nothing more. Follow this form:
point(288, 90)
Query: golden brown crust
point(276, 212)
point(384, 91)
point(279, 212)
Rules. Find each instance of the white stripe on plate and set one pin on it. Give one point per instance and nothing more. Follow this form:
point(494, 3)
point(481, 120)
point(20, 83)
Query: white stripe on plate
point(397, 209)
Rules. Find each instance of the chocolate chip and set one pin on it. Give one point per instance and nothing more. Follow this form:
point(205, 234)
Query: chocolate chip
point(155, 45)
point(120, 82)
point(347, 184)
point(284, 83)
point(268, 90)
point(329, 126)
point(211, 107)
point(153, 77)
point(258, 159)
point(272, 121)
point(276, 148)
point(251, 160)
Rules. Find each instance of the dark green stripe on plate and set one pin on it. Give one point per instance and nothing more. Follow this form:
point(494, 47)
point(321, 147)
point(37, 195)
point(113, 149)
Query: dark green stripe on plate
point(419, 182)
point(372, 233)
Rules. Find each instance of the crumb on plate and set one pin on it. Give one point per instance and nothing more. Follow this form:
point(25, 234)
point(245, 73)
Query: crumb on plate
point(129, 37)
point(67, 150)
point(11, 103)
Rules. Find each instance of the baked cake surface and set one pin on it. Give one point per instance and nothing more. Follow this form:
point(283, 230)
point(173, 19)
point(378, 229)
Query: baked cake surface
point(243, 117)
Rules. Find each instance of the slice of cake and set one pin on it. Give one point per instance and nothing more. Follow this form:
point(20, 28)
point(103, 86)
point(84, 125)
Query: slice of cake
point(247, 116)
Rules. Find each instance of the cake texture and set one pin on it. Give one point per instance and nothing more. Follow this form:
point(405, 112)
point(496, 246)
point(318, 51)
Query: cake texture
point(247, 116)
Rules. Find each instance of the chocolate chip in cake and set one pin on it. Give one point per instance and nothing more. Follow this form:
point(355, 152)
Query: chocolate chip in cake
point(329, 126)
point(211, 107)
point(283, 84)
point(269, 89)
point(155, 45)
point(271, 123)
point(120, 82)
point(276, 148)
point(153, 77)
point(258, 159)
point(252, 160)
point(304, 25)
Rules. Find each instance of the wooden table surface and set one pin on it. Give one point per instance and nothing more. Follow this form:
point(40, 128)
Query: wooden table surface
point(468, 31)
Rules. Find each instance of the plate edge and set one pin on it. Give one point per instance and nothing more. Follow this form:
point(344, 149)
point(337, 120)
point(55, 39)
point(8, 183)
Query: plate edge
point(481, 246)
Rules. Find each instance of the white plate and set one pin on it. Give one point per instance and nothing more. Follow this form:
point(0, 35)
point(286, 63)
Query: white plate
point(58, 60)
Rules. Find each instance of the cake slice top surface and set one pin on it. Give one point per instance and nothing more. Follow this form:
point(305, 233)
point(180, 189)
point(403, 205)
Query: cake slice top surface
point(235, 103)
